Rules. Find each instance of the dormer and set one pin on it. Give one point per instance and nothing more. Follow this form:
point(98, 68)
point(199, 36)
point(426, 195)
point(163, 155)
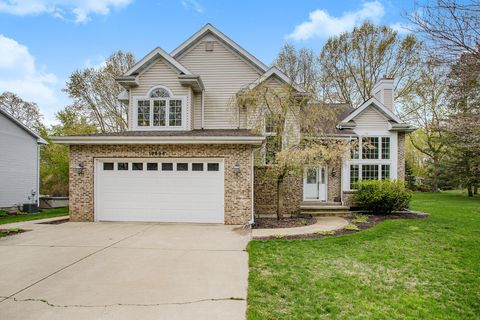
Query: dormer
point(159, 92)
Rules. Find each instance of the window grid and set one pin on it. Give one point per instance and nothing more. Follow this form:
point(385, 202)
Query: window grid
point(175, 113)
point(385, 147)
point(354, 175)
point(143, 113)
point(385, 171)
point(159, 113)
point(370, 172)
point(370, 148)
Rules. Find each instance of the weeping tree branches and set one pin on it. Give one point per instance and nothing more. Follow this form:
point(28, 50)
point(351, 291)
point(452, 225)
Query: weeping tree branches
point(295, 129)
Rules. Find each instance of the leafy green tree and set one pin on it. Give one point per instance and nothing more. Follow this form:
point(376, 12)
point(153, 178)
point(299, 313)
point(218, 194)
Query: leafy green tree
point(54, 165)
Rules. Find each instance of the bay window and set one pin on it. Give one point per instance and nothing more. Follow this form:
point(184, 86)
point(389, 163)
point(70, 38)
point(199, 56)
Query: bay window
point(160, 110)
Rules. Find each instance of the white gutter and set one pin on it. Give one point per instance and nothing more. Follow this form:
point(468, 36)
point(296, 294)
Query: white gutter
point(203, 107)
point(253, 140)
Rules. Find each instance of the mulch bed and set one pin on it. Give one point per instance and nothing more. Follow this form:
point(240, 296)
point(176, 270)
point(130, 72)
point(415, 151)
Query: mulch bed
point(372, 221)
point(272, 223)
point(55, 221)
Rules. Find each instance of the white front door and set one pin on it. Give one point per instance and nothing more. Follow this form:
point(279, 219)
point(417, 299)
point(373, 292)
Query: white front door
point(315, 184)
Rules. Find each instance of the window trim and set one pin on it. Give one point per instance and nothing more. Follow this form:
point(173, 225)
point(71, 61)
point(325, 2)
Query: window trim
point(359, 141)
point(267, 134)
point(167, 126)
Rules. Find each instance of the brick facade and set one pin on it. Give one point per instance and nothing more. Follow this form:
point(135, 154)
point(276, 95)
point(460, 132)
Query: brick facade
point(401, 156)
point(238, 193)
point(265, 191)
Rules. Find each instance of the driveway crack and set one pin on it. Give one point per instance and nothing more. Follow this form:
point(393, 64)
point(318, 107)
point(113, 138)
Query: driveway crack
point(125, 304)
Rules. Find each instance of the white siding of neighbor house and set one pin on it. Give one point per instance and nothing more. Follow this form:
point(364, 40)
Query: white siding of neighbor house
point(223, 73)
point(18, 164)
point(160, 73)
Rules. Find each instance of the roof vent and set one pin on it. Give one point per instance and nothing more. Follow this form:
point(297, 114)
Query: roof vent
point(208, 45)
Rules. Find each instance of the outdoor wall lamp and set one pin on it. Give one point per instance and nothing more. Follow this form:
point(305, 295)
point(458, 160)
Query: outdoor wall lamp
point(236, 167)
point(334, 173)
point(80, 167)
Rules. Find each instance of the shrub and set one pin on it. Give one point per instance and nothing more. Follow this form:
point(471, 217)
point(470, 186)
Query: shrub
point(382, 196)
point(351, 227)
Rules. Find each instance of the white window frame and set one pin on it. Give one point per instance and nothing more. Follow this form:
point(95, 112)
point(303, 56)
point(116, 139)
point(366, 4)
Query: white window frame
point(167, 126)
point(266, 134)
point(378, 162)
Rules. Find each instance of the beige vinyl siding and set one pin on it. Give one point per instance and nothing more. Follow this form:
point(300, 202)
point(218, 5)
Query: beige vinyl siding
point(371, 120)
point(388, 98)
point(223, 73)
point(160, 73)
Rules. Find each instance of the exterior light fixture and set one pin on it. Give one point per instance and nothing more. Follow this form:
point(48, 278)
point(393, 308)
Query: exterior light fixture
point(80, 167)
point(334, 173)
point(236, 167)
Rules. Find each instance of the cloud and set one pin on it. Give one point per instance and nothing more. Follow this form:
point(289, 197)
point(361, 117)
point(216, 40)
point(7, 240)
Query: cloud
point(77, 11)
point(20, 74)
point(322, 25)
point(193, 5)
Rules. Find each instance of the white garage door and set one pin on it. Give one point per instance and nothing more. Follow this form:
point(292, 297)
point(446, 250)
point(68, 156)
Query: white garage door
point(163, 190)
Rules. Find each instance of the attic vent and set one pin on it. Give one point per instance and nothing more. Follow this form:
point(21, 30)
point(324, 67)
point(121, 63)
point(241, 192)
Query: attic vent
point(208, 45)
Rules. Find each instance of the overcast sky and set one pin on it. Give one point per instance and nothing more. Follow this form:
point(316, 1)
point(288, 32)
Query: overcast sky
point(43, 41)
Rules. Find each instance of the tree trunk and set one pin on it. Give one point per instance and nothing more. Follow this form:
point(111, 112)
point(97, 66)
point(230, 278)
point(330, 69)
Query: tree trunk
point(436, 173)
point(470, 190)
point(279, 198)
point(475, 189)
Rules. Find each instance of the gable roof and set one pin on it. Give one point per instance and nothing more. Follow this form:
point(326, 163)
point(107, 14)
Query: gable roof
point(396, 123)
point(40, 140)
point(208, 28)
point(274, 71)
point(151, 57)
point(377, 105)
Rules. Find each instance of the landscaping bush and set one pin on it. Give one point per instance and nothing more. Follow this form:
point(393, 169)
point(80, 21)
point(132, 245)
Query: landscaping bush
point(382, 196)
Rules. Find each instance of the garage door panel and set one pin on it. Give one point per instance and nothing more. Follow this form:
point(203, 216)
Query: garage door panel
point(165, 196)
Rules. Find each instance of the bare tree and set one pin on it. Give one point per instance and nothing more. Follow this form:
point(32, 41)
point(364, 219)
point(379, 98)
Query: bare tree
point(27, 113)
point(451, 27)
point(353, 62)
point(299, 65)
point(95, 91)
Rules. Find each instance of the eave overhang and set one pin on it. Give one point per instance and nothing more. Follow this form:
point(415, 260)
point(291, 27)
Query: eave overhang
point(128, 81)
point(120, 140)
point(194, 81)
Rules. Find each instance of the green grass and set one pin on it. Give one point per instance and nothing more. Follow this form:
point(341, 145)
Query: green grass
point(400, 269)
point(45, 213)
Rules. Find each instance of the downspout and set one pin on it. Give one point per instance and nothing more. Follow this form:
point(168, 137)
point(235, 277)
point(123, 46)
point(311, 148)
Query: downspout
point(38, 174)
point(203, 107)
point(252, 184)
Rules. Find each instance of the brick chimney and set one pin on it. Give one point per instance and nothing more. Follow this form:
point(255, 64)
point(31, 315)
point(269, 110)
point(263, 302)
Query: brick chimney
point(383, 91)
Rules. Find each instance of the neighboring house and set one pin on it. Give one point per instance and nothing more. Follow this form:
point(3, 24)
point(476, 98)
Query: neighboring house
point(19, 163)
point(189, 154)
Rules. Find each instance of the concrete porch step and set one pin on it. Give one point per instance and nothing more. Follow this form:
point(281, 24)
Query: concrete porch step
point(323, 209)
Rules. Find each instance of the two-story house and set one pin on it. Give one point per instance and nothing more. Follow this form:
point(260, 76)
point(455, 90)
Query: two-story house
point(188, 155)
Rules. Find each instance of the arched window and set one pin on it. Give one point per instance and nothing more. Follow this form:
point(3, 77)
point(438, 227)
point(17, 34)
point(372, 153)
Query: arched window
point(160, 109)
point(160, 93)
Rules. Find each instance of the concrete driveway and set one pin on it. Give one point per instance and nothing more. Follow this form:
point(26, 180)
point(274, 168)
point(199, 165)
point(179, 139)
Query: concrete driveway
point(124, 271)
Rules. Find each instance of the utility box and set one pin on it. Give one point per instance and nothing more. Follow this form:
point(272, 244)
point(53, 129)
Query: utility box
point(30, 208)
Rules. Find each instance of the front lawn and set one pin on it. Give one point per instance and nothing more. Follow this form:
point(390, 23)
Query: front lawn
point(43, 214)
point(400, 269)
